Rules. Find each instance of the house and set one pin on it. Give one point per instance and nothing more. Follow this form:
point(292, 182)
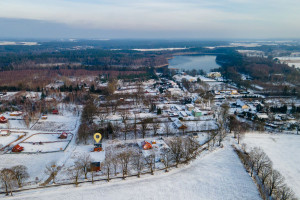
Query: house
point(241, 104)
point(196, 112)
point(174, 91)
point(189, 107)
point(4, 132)
point(245, 107)
point(234, 92)
point(214, 74)
point(3, 120)
point(183, 114)
point(262, 116)
point(178, 124)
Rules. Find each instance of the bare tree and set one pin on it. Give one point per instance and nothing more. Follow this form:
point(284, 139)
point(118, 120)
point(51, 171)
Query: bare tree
point(21, 174)
point(84, 161)
point(167, 128)
point(115, 130)
point(75, 172)
point(155, 126)
point(239, 130)
point(285, 193)
point(144, 126)
point(176, 146)
point(124, 159)
point(115, 163)
point(274, 181)
point(127, 128)
point(52, 170)
point(8, 180)
point(190, 145)
point(150, 161)
point(260, 159)
point(107, 166)
point(265, 173)
point(138, 162)
point(101, 116)
point(135, 126)
point(166, 158)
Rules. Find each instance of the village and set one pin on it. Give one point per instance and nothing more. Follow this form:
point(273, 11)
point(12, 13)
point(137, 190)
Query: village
point(145, 126)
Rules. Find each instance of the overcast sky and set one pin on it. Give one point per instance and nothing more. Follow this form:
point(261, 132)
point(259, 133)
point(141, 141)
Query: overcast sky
point(150, 19)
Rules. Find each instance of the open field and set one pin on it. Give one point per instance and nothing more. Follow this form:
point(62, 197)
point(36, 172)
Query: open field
point(284, 151)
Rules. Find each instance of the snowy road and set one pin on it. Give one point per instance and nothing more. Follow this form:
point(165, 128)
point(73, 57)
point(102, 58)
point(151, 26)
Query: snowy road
point(218, 175)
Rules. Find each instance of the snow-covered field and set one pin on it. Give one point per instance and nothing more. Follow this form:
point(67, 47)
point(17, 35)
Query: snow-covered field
point(218, 175)
point(284, 151)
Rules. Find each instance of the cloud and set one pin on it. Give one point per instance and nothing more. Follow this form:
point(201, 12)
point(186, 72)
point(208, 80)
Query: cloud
point(245, 18)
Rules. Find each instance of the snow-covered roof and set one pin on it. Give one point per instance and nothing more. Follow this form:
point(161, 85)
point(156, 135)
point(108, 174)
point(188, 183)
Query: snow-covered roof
point(262, 115)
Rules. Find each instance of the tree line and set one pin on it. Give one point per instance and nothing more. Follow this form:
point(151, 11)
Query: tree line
point(269, 180)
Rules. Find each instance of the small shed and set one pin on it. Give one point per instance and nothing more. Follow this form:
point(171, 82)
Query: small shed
point(95, 166)
point(64, 135)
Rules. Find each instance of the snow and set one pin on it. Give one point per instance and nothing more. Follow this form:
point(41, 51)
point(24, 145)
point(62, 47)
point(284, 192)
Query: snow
point(291, 61)
point(159, 49)
point(284, 151)
point(218, 175)
point(47, 138)
point(67, 121)
point(5, 140)
point(18, 43)
point(44, 147)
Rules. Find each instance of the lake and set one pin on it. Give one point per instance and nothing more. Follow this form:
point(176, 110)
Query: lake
point(204, 62)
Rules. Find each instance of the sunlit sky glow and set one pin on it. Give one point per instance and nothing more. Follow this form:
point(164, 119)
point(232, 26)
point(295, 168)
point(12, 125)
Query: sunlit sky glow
point(150, 18)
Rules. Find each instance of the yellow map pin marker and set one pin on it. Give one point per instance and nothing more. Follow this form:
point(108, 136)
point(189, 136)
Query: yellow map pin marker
point(97, 137)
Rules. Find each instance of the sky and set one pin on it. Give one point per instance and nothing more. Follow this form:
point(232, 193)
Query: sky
point(105, 19)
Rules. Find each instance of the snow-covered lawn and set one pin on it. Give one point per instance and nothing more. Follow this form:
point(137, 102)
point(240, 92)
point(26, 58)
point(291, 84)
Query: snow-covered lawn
point(218, 175)
point(284, 151)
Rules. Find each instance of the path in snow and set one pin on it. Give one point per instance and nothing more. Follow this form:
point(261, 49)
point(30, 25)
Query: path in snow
point(218, 175)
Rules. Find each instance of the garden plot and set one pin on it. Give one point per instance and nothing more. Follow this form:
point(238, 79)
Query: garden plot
point(157, 145)
point(45, 143)
point(57, 122)
point(16, 122)
point(44, 147)
point(6, 140)
point(284, 151)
